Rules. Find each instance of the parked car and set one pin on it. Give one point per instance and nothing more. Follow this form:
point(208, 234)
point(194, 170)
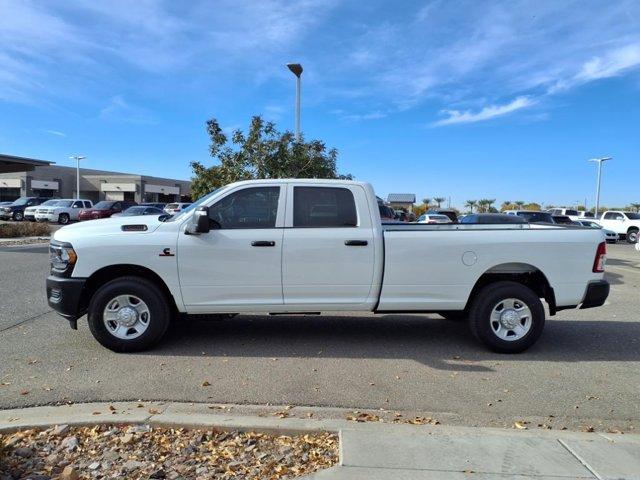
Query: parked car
point(452, 214)
point(572, 213)
point(532, 216)
point(30, 212)
point(104, 209)
point(609, 235)
point(433, 218)
point(402, 216)
point(312, 246)
point(15, 211)
point(140, 210)
point(173, 208)
point(625, 224)
point(582, 214)
point(491, 218)
point(160, 205)
point(62, 211)
point(386, 213)
point(3, 204)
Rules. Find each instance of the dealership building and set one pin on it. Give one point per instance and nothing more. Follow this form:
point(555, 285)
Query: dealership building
point(27, 177)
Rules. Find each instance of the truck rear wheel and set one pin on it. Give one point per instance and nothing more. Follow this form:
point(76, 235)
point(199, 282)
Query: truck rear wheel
point(128, 314)
point(632, 235)
point(507, 317)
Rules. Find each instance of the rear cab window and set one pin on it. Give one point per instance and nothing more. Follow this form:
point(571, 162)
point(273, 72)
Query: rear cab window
point(324, 207)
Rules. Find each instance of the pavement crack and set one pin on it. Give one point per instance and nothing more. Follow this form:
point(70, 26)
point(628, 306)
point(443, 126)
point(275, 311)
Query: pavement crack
point(580, 459)
point(21, 322)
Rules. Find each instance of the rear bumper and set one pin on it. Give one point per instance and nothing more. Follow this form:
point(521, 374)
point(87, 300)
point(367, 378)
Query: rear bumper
point(596, 294)
point(64, 295)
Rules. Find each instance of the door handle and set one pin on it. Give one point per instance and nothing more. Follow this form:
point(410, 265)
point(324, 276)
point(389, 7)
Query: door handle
point(263, 243)
point(356, 243)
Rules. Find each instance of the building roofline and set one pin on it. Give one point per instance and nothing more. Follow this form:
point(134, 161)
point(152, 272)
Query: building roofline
point(29, 161)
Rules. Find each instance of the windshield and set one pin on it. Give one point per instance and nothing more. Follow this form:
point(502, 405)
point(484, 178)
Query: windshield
point(633, 216)
point(591, 224)
point(49, 203)
point(194, 205)
point(64, 203)
point(103, 205)
point(21, 201)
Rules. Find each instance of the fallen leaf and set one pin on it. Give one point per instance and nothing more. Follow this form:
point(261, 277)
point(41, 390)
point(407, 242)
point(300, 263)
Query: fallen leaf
point(153, 411)
point(24, 392)
point(520, 425)
point(206, 384)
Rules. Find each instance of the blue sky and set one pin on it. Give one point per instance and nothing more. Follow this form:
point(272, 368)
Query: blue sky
point(468, 99)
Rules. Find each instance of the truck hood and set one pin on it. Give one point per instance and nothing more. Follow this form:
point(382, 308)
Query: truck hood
point(107, 226)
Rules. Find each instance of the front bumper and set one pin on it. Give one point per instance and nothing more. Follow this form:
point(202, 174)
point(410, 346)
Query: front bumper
point(64, 295)
point(6, 215)
point(46, 217)
point(596, 294)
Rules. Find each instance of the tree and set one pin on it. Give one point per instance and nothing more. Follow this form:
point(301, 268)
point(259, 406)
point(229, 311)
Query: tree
point(536, 207)
point(439, 200)
point(485, 204)
point(636, 206)
point(264, 152)
point(507, 205)
point(519, 204)
point(426, 202)
point(470, 204)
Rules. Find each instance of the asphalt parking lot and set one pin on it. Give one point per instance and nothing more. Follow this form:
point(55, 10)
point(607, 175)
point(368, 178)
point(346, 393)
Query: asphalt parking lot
point(584, 371)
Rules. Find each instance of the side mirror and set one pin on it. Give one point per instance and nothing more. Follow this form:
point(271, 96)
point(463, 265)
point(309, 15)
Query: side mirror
point(201, 222)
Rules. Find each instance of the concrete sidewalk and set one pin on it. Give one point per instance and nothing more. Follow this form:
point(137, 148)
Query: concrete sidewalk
point(383, 451)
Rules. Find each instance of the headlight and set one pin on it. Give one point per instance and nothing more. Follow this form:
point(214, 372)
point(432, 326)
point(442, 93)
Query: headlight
point(7, 209)
point(63, 258)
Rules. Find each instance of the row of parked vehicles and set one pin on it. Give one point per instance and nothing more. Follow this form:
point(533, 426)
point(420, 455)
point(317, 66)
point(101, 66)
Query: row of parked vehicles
point(66, 210)
point(615, 224)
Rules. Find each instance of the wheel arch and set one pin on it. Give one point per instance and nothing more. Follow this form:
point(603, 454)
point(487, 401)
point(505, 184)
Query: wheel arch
point(524, 273)
point(112, 272)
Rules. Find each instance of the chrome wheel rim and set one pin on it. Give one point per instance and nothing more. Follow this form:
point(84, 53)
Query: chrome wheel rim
point(511, 319)
point(126, 317)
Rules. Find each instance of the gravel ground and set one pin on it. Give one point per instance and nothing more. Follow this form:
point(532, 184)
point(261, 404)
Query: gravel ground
point(142, 452)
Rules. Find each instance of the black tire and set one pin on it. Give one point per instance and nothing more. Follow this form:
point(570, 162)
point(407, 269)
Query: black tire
point(454, 316)
point(149, 293)
point(632, 235)
point(489, 298)
point(18, 216)
point(63, 219)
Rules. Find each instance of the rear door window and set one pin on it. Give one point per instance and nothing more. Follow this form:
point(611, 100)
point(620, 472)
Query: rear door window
point(323, 207)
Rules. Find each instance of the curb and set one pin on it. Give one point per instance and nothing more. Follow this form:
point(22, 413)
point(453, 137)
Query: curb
point(17, 241)
point(190, 415)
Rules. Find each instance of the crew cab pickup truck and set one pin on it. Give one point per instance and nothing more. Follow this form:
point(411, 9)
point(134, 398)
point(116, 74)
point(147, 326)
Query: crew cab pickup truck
point(625, 224)
point(296, 246)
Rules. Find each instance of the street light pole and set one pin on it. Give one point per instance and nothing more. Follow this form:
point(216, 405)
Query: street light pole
point(599, 161)
point(296, 69)
point(77, 159)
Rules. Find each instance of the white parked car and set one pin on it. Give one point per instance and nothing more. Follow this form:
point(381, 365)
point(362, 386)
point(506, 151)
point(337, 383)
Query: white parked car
point(30, 212)
point(433, 218)
point(609, 235)
point(174, 208)
point(625, 224)
point(290, 246)
point(62, 211)
point(572, 213)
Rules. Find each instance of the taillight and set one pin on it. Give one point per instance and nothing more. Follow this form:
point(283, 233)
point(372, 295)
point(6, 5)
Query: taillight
point(601, 258)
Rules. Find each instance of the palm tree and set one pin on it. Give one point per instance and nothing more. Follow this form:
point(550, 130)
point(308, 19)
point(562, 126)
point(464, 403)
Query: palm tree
point(470, 204)
point(519, 204)
point(636, 206)
point(439, 200)
point(506, 205)
point(426, 202)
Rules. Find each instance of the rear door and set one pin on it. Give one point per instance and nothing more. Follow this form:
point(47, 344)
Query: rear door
point(328, 253)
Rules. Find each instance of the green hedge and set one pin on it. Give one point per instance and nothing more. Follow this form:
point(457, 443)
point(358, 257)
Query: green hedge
point(24, 229)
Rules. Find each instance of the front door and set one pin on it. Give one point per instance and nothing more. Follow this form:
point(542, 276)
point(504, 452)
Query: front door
point(237, 265)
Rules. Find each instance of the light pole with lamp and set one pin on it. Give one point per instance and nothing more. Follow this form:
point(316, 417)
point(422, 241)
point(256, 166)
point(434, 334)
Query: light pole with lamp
point(599, 161)
point(296, 69)
point(77, 159)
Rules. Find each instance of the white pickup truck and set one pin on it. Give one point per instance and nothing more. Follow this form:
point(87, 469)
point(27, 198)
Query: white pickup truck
point(302, 246)
point(625, 224)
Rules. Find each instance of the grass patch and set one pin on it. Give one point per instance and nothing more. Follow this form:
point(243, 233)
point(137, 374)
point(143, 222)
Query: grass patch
point(24, 229)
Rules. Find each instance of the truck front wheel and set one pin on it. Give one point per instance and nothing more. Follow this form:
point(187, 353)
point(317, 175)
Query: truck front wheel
point(128, 314)
point(507, 317)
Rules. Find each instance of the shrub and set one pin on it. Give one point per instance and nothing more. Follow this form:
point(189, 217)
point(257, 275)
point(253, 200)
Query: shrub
point(24, 229)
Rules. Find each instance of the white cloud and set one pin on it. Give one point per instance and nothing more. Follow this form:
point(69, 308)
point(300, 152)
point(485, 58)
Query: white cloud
point(119, 110)
point(486, 113)
point(376, 115)
point(55, 133)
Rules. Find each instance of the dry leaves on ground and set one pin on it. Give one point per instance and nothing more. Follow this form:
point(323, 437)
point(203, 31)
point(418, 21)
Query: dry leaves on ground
point(140, 452)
